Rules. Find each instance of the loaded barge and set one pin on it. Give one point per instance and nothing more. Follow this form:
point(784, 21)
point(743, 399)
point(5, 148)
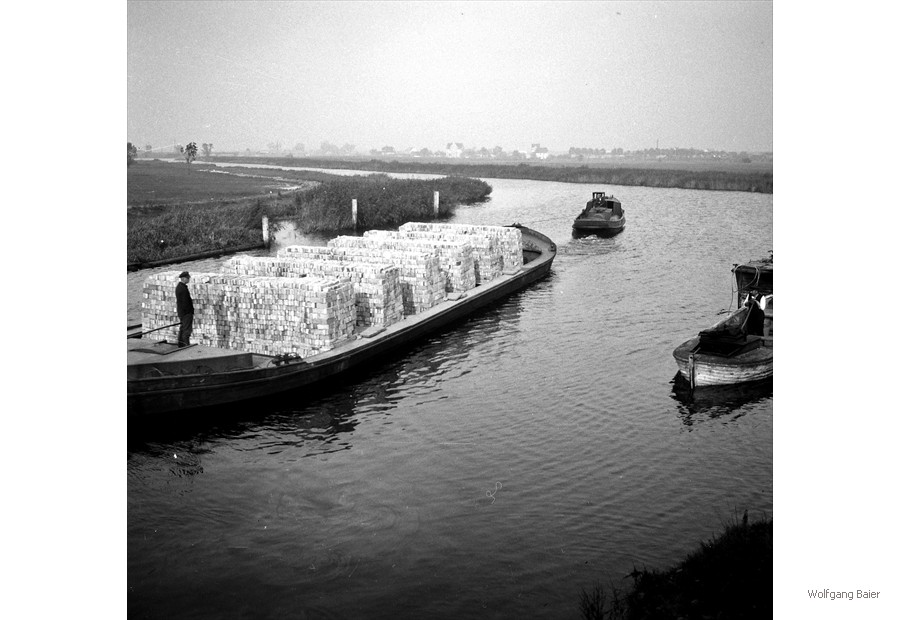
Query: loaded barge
point(163, 377)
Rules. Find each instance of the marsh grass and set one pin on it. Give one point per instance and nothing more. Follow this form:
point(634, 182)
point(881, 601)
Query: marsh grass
point(156, 233)
point(728, 577)
point(382, 202)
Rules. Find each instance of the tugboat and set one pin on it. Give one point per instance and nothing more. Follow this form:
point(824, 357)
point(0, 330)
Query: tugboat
point(739, 348)
point(603, 216)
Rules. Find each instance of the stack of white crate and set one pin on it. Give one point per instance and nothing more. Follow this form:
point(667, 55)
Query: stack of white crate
point(421, 280)
point(376, 287)
point(457, 257)
point(270, 315)
point(486, 256)
point(509, 238)
point(264, 267)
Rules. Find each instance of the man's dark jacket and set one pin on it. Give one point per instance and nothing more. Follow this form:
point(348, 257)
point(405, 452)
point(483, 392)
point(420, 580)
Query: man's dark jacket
point(183, 300)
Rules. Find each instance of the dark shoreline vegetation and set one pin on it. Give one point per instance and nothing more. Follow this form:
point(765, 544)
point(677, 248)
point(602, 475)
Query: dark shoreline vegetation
point(684, 175)
point(382, 202)
point(728, 577)
point(177, 210)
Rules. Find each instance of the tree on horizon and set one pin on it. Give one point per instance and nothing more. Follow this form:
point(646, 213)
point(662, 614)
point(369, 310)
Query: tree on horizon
point(190, 152)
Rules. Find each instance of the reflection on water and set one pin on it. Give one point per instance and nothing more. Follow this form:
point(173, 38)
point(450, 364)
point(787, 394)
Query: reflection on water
point(590, 245)
point(312, 419)
point(285, 233)
point(492, 470)
point(714, 401)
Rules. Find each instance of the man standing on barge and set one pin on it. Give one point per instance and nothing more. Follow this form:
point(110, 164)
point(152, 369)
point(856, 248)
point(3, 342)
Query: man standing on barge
point(185, 307)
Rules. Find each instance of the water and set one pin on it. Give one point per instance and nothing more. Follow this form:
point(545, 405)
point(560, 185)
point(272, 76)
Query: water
point(492, 471)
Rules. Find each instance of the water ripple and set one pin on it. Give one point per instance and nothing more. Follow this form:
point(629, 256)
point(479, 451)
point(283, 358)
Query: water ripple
point(377, 493)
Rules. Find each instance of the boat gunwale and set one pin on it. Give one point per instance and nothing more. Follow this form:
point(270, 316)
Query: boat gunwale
point(755, 356)
point(588, 222)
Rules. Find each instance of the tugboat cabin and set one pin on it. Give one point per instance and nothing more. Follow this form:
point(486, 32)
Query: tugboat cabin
point(599, 200)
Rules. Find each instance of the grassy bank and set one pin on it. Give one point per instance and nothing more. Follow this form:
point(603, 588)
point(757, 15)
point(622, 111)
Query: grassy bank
point(175, 210)
point(708, 175)
point(728, 577)
point(164, 232)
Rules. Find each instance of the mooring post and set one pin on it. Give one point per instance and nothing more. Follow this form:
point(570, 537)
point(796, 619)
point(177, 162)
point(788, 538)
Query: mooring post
point(354, 214)
point(437, 200)
point(692, 371)
point(265, 229)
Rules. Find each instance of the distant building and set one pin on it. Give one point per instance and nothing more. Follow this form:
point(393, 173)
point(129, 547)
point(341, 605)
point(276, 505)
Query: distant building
point(454, 149)
point(539, 152)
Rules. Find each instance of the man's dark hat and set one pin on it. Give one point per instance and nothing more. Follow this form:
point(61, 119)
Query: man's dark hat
point(184, 274)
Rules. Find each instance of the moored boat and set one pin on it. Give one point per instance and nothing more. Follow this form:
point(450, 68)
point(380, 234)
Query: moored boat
point(738, 348)
point(602, 215)
point(163, 377)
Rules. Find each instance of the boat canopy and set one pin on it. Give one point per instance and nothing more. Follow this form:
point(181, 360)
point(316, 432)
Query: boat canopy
point(754, 276)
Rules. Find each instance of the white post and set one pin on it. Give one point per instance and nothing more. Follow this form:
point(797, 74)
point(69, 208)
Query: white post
point(265, 229)
point(437, 199)
point(354, 214)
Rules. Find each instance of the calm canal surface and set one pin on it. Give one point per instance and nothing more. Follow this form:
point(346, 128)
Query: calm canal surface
point(492, 471)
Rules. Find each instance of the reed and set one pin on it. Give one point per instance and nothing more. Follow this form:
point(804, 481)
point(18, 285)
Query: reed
point(158, 233)
point(382, 202)
point(728, 577)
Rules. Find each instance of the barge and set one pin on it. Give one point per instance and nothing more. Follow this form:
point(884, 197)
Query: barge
point(163, 377)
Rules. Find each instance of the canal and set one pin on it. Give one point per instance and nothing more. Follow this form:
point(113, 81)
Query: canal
point(494, 470)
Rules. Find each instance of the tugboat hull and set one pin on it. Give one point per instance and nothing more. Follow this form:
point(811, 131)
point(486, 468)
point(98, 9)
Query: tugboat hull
point(701, 369)
point(602, 228)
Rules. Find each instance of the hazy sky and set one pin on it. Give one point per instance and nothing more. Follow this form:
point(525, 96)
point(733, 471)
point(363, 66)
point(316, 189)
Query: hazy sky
point(422, 74)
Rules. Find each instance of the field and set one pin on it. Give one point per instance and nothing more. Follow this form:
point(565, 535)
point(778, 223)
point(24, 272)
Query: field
point(703, 174)
point(152, 182)
point(688, 165)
